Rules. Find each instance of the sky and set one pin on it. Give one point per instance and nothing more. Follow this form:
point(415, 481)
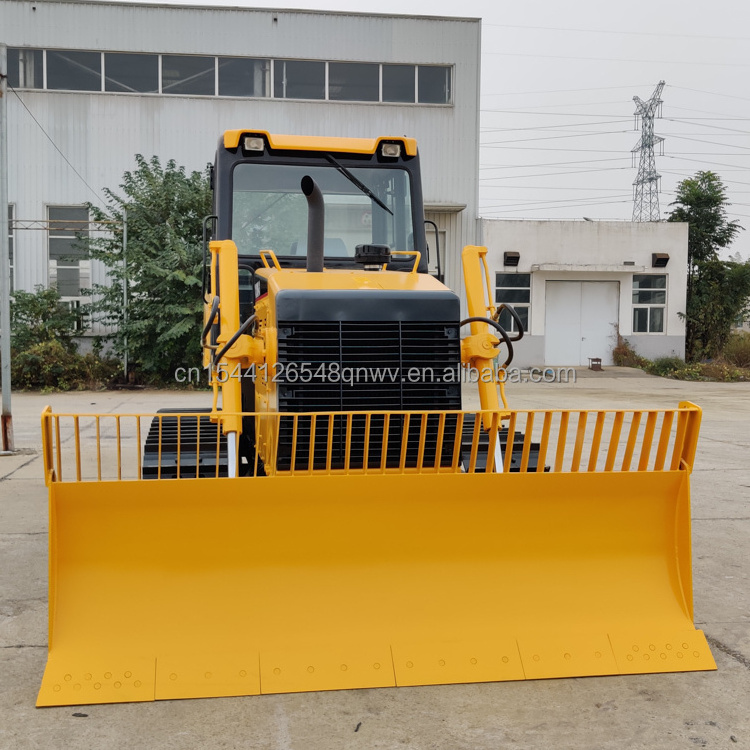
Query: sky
point(557, 110)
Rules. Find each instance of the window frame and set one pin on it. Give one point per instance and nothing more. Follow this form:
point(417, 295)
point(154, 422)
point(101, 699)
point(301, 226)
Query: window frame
point(448, 70)
point(106, 77)
point(515, 305)
point(650, 306)
point(378, 92)
point(183, 81)
point(98, 90)
point(83, 262)
point(14, 64)
point(267, 71)
point(281, 64)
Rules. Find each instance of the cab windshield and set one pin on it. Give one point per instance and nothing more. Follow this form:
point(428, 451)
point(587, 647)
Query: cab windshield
point(269, 210)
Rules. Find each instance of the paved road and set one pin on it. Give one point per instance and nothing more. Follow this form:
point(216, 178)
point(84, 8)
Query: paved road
point(693, 710)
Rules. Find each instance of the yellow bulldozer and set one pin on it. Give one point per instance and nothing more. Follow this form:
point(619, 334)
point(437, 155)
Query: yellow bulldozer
point(335, 519)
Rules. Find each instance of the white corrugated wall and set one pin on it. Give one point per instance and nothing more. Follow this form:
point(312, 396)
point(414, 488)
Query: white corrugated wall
point(99, 133)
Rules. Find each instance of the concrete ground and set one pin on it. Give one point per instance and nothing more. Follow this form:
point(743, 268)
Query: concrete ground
point(692, 710)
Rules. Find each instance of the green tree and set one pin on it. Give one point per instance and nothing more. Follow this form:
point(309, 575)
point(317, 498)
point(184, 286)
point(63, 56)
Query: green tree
point(717, 290)
point(165, 208)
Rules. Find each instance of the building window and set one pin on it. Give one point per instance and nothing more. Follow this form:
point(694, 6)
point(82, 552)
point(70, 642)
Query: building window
point(11, 232)
point(399, 83)
point(188, 75)
point(649, 302)
point(354, 82)
point(69, 267)
point(299, 79)
point(74, 70)
point(243, 76)
point(515, 290)
point(434, 84)
point(196, 75)
point(26, 68)
point(138, 74)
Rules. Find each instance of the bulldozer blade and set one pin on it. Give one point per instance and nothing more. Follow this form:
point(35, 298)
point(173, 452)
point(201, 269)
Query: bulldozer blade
point(242, 586)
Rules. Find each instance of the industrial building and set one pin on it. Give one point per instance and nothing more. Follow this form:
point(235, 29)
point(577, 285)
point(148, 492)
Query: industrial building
point(577, 284)
point(95, 83)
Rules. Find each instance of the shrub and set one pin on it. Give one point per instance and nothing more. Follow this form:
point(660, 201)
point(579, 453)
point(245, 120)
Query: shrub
point(40, 316)
point(689, 371)
point(624, 355)
point(666, 366)
point(737, 350)
point(51, 366)
point(721, 371)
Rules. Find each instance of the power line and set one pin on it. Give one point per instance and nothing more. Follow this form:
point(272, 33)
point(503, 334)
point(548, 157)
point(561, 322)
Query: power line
point(550, 187)
point(712, 163)
point(621, 59)
point(720, 115)
point(539, 205)
point(546, 208)
point(711, 143)
point(547, 164)
point(686, 172)
point(55, 146)
point(538, 148)
point(559, 174)
point(550, 127)
point(566, 104)
point(739, 134)
point(711, 93)
point(690, 121)
point(494, 144)
point(550, 114)
point(564, 91)
point(622, 33)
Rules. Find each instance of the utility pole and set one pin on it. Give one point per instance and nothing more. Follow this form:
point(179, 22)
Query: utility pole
point(125, 291)
point(646, 185)
point(7, 417)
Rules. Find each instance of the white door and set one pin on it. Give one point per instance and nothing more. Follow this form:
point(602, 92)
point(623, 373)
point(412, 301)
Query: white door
point(580, 321)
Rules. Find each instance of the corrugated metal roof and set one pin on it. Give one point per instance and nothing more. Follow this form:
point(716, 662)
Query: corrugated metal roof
point(170, 6)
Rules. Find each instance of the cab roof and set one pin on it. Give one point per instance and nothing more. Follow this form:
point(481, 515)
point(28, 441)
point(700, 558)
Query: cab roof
point(320, 143)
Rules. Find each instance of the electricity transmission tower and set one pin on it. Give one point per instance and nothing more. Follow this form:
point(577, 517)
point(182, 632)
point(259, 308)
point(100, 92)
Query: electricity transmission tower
point(646, 185)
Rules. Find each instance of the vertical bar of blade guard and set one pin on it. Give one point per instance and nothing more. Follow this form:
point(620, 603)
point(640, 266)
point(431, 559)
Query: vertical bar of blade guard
point(315, 224)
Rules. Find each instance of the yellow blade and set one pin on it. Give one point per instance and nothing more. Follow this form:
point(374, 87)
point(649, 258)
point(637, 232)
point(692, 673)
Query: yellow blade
point(210, 587)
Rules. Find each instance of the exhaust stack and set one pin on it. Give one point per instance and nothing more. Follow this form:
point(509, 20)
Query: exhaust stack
point(315, 224)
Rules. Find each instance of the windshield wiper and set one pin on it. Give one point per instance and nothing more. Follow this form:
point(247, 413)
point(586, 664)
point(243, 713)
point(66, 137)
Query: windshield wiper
point(349, 176)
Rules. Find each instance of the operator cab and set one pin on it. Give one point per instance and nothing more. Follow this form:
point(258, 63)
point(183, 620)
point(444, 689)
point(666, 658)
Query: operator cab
point(371, 189)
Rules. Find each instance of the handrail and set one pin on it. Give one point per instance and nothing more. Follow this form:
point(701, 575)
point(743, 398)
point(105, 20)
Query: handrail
point(272, 255)
point(417, 257)
point(108, 447)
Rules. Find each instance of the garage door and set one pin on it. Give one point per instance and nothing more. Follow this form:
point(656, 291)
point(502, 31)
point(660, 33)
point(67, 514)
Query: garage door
point(580, 321)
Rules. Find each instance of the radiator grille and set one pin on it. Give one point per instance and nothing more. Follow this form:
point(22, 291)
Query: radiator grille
point(367, 366)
